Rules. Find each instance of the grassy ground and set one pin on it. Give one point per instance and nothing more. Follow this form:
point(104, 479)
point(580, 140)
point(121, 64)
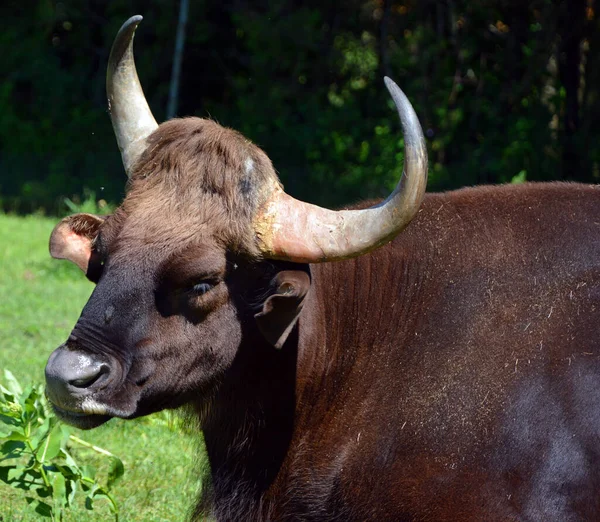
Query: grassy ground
point(40, 300)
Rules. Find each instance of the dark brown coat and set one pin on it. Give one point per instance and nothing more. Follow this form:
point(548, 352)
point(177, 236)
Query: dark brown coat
point(452, 375)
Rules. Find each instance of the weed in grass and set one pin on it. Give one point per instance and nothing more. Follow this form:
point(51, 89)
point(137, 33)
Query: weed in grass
point(35, 457)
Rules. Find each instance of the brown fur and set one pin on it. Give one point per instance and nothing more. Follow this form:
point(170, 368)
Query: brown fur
point(451, 375)
point(194, 171)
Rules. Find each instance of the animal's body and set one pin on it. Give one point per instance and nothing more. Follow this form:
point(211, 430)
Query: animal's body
point(452, 374)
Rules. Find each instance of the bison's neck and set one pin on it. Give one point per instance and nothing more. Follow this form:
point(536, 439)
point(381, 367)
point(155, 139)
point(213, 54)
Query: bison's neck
point(270, 401)
point(249, 428)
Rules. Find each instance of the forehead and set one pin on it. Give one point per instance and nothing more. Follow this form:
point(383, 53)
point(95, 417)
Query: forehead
point(188, 157)
point(149, 240)
point(195, 182)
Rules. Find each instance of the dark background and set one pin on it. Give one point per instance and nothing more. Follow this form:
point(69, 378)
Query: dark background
point(506, 91)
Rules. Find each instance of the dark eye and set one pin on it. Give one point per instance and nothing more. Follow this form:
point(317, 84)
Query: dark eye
point(201, 288)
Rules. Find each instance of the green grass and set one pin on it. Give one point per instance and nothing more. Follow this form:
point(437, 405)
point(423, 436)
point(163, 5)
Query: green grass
point(40, 300)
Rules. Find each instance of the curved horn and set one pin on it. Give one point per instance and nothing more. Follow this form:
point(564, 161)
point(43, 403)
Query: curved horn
point(131, 117)
point(296, 231)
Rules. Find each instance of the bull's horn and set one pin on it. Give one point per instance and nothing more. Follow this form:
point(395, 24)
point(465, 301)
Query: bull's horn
point(293, 230)
point(131, 117)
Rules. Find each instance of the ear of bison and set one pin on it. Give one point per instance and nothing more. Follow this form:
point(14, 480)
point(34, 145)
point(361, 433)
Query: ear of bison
point(281, 310)
point(73, 239)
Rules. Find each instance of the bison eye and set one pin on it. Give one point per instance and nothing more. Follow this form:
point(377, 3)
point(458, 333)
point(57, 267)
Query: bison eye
point(201, 288)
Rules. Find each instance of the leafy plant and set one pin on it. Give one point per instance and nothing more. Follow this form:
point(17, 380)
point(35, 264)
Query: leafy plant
point(36, 456)
point(89, 204)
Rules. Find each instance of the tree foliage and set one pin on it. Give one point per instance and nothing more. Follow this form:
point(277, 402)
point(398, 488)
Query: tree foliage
point(504, 90)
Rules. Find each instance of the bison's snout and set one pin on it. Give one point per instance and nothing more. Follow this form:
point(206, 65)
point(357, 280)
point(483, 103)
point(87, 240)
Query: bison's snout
point(74, 372)
point(73, 378)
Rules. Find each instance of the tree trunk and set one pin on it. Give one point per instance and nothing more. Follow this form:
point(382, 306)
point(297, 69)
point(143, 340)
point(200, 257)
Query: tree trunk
point(571, 33)
point(177, 59)
point(384, 56)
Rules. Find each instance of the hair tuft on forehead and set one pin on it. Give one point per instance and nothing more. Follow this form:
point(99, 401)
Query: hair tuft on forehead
point(216, 174)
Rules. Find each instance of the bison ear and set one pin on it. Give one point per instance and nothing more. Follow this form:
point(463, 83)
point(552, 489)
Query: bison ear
point(281, 310)
point(73, 239)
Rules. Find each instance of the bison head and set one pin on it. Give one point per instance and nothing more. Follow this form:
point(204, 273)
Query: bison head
point(206, 253)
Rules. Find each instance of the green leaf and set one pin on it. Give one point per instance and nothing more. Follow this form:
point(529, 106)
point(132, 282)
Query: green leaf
point(32, 405)
point(39, 434)
point(521, 177)
point(10, 408)
point(70, 463)
point(44, 491)
point(50, 447)
point(6, 396)
point(13, 385)
point(89, 499)
point(16, 434)
point(115, 471)
point(21, 478)
point(11, 449)
point(59, 492)
point(42, 508)
point(70, 472)
point(66, 431)
point(72, 490)
point(102, 493)
point(10, 417)
point(89, 472)
point(5, 473)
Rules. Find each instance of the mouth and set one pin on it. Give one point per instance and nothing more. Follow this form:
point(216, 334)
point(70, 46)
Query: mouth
point(81, 420)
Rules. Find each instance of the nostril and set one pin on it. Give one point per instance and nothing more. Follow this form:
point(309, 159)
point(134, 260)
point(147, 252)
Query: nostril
point(89, 376)
point(73, 372)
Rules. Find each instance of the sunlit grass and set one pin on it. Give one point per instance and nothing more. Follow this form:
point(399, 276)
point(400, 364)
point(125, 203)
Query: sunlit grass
point(40, 300)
